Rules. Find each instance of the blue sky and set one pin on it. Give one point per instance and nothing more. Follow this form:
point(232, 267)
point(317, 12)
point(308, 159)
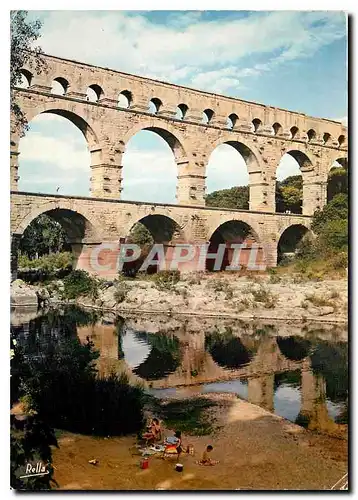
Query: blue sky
point(289, 59)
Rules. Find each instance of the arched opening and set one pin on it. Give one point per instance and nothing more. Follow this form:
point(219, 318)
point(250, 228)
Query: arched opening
point(150, 230)
point(181, 111)
point(311, 135)
point(277, 128)
point(294, 132)
point(124, 99)
point(149, 166)
point(228, 176)
point(234, 232)
point(54, 231)
point(342, 140)
point(207, 116)
point(228, 351)
point(256, 123)
point(294, 348)
point(337, 181)
point(289, 241)
point(25, 81)
point(289, 182)
point(94, 93)
point(59, 86)
point(326, 137)
point(54, 154)
point(231, 121)
point(154, 106)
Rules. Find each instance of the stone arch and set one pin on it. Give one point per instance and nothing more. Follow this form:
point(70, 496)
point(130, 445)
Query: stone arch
point(62, 83)
point(160, 224)
point(340, 184)
point(61, 108)
point(81, 228)
point(294, 132)
point(182, 110)
point(232, 121)
point(342, 140)
point(167, 132)
point(235, 231)
point(97, 91)
point(208, 115)
point(253, 163)
point(154, 105)
point(308, 169)
point(277, 128)
point(84, 221)
point(28, 77)
point(289, 238)
point(311, 135)
point(125, 99)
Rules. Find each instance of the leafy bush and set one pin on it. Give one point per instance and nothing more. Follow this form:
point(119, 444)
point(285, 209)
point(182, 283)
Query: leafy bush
point(80, 283)
point(166, 280)
point(121, 292)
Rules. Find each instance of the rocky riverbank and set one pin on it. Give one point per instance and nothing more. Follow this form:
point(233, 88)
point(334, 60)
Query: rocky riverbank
point(219, 295)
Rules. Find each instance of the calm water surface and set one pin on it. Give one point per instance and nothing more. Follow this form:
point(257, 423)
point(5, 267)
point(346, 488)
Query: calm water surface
point(300, 373)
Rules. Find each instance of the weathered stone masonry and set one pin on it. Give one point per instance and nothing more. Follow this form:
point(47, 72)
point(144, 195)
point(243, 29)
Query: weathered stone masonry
point(262, 134)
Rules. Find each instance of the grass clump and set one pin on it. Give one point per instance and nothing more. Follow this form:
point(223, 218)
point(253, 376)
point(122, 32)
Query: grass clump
point(187, 415)
point(320, 301)
point(166, 280)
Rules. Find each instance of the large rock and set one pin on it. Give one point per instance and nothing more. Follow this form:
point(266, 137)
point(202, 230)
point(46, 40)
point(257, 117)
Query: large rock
point(22, 294)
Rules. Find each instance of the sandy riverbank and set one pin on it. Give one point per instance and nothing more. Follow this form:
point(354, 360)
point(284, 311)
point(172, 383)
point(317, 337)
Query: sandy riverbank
point(257, 450)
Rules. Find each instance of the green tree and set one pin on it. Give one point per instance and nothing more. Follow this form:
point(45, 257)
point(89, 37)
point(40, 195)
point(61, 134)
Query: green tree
point(43, 236)
point(337, 182)
point(235, 197)
point(289, 194)
point(337, 208)
point(23, 34)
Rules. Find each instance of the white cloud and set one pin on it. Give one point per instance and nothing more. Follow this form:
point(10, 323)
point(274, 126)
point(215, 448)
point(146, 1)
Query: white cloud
point(209, 54)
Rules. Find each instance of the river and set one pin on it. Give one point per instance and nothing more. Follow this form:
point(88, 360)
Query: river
point(299, 372)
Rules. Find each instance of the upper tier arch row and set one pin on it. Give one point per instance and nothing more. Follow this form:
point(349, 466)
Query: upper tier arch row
point(113, 88)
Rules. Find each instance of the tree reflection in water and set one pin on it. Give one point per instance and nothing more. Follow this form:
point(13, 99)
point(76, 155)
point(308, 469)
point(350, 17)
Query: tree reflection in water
point(164, 357)
point(227, 351)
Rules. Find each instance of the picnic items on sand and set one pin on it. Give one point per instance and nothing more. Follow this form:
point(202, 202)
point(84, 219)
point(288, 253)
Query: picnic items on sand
point(144, 463)
point(179, 467)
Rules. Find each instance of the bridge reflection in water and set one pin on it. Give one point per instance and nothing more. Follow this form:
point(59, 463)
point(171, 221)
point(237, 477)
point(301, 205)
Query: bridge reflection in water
point(301, 374)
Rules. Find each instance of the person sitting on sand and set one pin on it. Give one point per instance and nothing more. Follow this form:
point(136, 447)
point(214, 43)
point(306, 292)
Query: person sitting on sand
point(174, 445)
point(206, 460)
point(154, 431)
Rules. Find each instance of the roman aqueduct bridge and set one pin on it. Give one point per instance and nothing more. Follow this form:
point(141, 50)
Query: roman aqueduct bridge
point(193, 123)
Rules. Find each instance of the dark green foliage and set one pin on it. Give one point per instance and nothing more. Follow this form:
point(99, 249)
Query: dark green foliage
point(31, 444)
point(164, 357)
point(188, 415)
point(337, 208)
point(331, 361)
point(227, 351)
point(43, 236)
point(289, 194)
point(23, 33)
point(235, 197)
point(57, 377)
point(294, 348)
point(166, 280)
point(337, 182)
point(140, 235)
point(80, 283)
